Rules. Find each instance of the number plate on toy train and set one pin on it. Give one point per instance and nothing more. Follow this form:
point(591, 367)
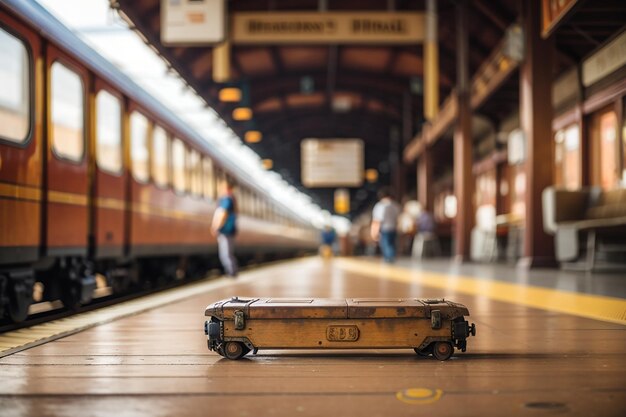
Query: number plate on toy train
point(342, 333)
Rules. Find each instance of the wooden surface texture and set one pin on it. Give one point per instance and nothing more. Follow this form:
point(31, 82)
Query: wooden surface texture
point(523, 361)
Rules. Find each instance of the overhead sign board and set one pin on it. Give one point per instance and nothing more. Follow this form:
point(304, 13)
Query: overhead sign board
point(610, 58)
point(554, 13)
point(332, 162)
point(192, 22)
point(327, 27)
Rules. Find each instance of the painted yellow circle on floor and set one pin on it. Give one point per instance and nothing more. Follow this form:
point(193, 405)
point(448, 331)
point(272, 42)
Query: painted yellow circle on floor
point(419, 395)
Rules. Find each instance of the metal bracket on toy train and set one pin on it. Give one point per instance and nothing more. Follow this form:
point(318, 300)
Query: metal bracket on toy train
point(240, 321)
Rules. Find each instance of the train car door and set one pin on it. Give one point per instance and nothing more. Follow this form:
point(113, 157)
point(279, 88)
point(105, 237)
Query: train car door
point(20, 164)
point(110, 174)
point(67, 210)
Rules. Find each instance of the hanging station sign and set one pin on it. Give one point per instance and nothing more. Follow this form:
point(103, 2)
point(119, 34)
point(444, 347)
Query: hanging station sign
point(607, 60)
point(193, 22)
point(332, 163)
point(553, 13)
point(327, 27)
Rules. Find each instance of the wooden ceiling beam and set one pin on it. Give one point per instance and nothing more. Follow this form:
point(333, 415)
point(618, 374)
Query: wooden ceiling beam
point(391, 85)
point(271, 122)
point(364, 93)
point(492, 15)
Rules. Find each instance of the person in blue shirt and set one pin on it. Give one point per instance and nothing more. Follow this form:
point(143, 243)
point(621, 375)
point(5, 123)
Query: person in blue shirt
point(328, 240)
point(224, 226)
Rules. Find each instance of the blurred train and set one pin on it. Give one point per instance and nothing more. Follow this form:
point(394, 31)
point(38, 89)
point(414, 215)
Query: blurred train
point(98, 179)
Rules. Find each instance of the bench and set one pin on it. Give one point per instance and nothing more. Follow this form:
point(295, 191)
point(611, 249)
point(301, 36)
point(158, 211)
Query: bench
point(591, 218)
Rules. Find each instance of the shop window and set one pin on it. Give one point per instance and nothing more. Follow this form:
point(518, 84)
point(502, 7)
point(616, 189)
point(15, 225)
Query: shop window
point(504, 196)
point(608, 168)
point(160, 152)
point(518, 194)
point(567, 158)
point(139, 142)
point(67, 112)
point(486, 188)
point(15, 91)
point(624, 146)
point(608, 133)
point(179, 171)
point(604, 148)
point(444, 205)
point(108, 132)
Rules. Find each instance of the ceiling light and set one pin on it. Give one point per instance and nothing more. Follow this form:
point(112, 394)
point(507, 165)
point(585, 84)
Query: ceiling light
point(230, 95)
point(242, 113)
point(371, 175)
point(341, 104)
point(267, 163)
point(253, 136)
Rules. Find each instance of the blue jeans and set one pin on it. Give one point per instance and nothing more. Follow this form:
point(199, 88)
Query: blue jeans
point(388, 245)
point(226, 250)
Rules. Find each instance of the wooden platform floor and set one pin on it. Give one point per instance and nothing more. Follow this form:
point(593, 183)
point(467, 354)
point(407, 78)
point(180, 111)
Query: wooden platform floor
point(523, 361)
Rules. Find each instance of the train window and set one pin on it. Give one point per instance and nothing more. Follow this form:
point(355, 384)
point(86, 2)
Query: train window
point(245, 201)
point(139, 139)
point(108, 132)
point(160, 156)
point(243, 205)
point(238, 198)
point(255, 205)
point(15, 92)
point(195, 172)
point(67, 112)
point(179, 172)
point(209, 180)
point(219, 180)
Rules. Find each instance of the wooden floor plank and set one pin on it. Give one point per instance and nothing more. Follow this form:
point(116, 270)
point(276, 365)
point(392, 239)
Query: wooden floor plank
point(523, 361)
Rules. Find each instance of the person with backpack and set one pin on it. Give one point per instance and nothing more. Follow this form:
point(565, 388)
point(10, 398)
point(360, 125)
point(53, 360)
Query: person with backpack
point(224, 226)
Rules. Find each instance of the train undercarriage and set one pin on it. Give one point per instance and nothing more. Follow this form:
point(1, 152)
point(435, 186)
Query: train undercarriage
point(77, 281)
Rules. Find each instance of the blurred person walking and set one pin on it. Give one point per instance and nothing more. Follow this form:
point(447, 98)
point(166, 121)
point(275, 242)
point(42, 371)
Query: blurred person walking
point(385, 223)
point(425, 235)
point(328, 237)
point(224, 226)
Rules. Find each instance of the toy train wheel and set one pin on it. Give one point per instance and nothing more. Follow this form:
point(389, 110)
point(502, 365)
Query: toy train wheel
point(234, 350)
point(423, 352)
point(442, 351)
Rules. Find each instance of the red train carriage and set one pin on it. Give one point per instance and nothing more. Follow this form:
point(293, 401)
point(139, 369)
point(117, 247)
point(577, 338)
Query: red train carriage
point(98, 177)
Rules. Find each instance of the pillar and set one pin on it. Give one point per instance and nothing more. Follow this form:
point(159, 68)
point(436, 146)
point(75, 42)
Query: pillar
point(431, 62)
point(536, 123)
point(463, 179)
point(221, 62)
point(425, 180)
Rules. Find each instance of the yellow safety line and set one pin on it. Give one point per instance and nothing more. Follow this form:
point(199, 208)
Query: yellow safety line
point(597, 307)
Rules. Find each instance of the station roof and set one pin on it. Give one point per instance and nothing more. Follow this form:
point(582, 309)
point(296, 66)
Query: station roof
point(377, 81)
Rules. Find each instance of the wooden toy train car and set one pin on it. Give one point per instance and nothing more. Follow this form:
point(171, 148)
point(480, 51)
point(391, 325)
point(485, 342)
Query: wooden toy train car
point(237, 326)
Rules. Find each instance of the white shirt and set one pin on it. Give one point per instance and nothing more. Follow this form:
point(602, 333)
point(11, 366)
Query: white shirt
point(386, 211)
